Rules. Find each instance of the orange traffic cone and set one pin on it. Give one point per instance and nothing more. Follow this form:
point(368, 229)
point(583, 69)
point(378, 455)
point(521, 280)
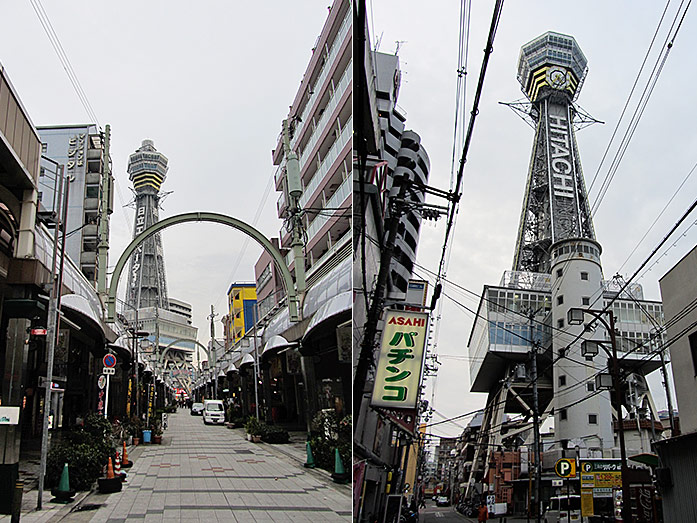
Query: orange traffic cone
point(124, 462)
point(109, 470)
point(117, 465)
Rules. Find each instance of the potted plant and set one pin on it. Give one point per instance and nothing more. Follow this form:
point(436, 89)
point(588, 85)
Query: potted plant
point(156, 429)
point(134, 428)
point(254, 429)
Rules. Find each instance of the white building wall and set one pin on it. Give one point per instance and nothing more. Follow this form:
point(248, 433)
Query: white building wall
point(577, 274)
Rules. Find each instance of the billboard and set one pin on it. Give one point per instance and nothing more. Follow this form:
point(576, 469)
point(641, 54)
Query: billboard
point(398, 372)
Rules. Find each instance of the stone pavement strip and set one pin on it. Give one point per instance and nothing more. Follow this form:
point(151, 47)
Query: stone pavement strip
point(210, 473)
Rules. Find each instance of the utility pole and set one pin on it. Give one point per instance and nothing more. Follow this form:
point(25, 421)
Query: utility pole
point(213, 354)
point(376, 306)
point(535, 421)
point(295, 212)
point(53, 326)
point(106, 208)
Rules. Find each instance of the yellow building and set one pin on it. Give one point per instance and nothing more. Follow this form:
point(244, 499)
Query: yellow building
point(242, 300)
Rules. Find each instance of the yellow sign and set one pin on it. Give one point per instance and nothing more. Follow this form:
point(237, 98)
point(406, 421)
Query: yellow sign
point(587, 508)
point(398, 372)
point(565, 468)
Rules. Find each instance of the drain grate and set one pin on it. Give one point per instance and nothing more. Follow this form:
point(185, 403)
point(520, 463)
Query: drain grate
point(88, 506)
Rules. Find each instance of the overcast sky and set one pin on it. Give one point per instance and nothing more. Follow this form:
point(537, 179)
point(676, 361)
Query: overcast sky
point(209, 82)
point(614, 36)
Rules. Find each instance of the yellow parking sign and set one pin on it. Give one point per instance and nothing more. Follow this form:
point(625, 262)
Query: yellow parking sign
point(565, 467)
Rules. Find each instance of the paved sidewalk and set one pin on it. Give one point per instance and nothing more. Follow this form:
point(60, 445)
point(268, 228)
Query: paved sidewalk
point(210, 473)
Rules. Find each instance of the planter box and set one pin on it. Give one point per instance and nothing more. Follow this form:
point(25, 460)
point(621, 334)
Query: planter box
point(157, 439)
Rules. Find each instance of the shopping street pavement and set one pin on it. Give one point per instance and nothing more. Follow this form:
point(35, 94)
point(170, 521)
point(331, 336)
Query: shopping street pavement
point(209, 473)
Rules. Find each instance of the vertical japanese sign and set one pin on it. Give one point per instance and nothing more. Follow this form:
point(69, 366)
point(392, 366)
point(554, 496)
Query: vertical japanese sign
point(398, 373)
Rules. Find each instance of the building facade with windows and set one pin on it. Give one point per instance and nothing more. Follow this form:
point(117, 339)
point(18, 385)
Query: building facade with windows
point(676, 473)
point(308, 362)
point(80, 149)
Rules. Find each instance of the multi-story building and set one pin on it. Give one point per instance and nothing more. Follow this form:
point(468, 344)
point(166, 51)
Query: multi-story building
point(242, 301)
point(676, 475)
point(270, 292)
point(391, 164)
point(26, 262)
point(182, 308)
point(320, 127)
point(80, 149)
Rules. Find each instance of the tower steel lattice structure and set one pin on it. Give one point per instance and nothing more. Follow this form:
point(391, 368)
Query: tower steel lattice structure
point(551, 70)
point(557, 267)
point(147, 283)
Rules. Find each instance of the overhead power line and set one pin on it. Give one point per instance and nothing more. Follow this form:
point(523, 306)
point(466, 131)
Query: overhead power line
point(63, 57)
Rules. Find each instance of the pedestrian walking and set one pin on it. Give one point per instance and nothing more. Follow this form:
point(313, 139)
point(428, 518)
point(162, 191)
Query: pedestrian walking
point(483, 513)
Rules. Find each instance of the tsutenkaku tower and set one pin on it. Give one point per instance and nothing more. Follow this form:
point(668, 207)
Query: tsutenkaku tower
point(551, 70)
point(147, 283)
point(556, 233)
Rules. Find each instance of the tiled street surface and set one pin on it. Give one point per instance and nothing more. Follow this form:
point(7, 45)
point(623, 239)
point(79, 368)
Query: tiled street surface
point(210, 473)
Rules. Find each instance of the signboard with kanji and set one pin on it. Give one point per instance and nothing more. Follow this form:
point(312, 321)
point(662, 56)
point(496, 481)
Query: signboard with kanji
point(398, 372)
point(599, 478)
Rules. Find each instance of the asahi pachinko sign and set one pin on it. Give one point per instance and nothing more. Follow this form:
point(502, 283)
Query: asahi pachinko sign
point(398, 372)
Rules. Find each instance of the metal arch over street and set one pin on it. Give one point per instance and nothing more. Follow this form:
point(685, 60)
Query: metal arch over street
point(293, 299)
point(180, 340)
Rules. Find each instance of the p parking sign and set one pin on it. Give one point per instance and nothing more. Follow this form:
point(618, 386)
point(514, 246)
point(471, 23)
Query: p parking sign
point(565, 468)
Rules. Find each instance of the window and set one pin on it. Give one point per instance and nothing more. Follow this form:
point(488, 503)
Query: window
point(559, 273)
point(560, 300)
point(693, 350)
point(560, 324)
point(584, 276)
point(590, 386)
point(585, 300)
point(562, 381)
point(562, 414)
point(593, 419)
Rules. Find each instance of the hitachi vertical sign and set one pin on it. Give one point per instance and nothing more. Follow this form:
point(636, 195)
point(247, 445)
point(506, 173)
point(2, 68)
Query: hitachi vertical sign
point(398, 373)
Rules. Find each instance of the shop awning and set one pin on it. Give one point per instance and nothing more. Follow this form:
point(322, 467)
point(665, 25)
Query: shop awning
point(277, 342)
point(248, 358)
point(121, 347)
point(335, 306)
point(81, 306)
point(646, 458)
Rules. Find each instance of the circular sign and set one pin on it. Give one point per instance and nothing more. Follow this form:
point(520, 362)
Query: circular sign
point(565, 468)
point(109, 360)
point(101, 382)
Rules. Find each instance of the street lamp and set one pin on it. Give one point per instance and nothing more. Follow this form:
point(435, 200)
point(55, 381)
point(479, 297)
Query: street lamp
point(575, 317)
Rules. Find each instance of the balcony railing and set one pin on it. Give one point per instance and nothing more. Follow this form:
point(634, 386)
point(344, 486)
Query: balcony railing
point(337, 199)
point(343, 30)
point(331, 105)
point(327, 162)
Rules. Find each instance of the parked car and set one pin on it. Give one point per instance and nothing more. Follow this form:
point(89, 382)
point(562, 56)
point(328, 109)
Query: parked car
point(197, 409)
point(213, 411)
point(562, 509)
point(442, 501)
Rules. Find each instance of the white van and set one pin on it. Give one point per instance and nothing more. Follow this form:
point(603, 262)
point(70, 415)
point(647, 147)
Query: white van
point(213, 411)
point(563, 509)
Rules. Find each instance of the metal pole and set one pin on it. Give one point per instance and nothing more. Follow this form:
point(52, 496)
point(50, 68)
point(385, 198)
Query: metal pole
point(106, 401)
point(136, 343)
point(53, 328)
point(536, 426)
point(626, 514)
point(256, 365)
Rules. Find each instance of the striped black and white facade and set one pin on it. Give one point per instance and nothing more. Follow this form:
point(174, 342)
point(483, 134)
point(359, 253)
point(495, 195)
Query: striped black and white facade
point(407, 162)
point(147, 282)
